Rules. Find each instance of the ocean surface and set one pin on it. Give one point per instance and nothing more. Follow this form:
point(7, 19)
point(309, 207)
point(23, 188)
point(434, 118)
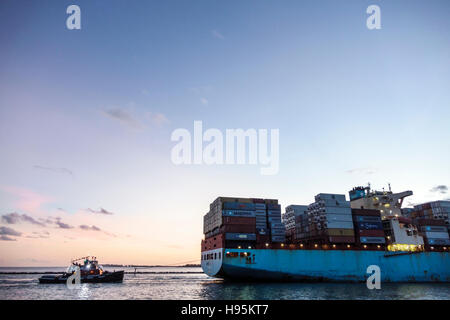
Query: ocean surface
point(190, 283)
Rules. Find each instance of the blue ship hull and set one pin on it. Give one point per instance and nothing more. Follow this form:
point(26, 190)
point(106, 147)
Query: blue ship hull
point(327, 265)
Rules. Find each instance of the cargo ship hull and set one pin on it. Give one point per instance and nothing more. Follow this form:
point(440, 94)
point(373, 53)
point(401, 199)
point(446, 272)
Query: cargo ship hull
point(325, 265)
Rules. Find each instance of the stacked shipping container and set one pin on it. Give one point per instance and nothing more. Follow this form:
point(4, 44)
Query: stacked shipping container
point(292, 212)
point(368, 226)
point(432, 220)
point(331, 216)
point(277, 229)
point(433, 231)
point(243, 222)
point(327, 220)
point(433, 210)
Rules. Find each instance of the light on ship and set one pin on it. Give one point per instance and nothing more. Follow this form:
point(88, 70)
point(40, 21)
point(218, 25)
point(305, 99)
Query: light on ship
point(403, 247)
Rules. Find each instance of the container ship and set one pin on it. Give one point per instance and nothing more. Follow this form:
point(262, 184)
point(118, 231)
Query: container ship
point(329, 240)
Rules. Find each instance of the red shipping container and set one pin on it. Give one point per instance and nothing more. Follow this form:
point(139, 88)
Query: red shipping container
point(212, 243)
point(238, 228)
point(366, 212)
point(239, 220)
point(258, 201)
point(342, 239)
point(430, 222)
point(404, 220)
point(371, 233)
point(262, 239)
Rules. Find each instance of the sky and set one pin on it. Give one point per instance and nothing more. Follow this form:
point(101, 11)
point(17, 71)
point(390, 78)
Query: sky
point(86, 116)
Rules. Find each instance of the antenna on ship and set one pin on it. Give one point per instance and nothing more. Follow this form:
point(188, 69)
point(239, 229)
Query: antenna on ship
point(389, 187)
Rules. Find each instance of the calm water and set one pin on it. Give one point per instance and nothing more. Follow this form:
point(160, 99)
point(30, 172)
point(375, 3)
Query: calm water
point(190, 283)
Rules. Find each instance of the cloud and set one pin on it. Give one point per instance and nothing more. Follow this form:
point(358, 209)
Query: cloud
point(61, 224)
point(440, 188)
point(157, 118)
point(204, 101)
point(14, 218)
point(216, 34)
point(37, 235)
point(5, 231)
point(367, 170)
point(27, 200)
point(6, 238)
point(202, 90)
point(90, 228)
point(53, 169)
point(122, 116)
point(96, 229)
point(101, 211)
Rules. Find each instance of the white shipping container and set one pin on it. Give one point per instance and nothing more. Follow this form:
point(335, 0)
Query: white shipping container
point(330, 196)
point(437, 235)
point(339, 225)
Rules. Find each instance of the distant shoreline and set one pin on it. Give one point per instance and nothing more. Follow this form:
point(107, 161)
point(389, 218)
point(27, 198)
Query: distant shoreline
point(112, 266)
point(126, 272)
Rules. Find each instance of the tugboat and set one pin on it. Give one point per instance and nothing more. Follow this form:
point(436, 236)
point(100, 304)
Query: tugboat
point(91, 272)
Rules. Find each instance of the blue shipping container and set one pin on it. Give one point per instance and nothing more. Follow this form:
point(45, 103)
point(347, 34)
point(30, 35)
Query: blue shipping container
point(372, 240)
point(367, 219)
point(278, 238)
point(434, 228)
point(369, 225)
point(273, 206)
point(240, 236)
point(439, 242)
point(238, 213)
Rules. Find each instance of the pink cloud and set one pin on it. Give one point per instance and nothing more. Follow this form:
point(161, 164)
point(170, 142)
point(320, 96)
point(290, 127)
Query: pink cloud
point(26, 199)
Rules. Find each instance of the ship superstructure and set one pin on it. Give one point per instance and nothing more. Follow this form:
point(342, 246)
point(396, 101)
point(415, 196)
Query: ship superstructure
point(387, 202)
